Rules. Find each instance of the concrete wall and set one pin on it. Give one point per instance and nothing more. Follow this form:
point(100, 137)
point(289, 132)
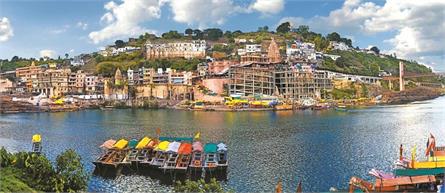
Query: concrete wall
point(215, 84)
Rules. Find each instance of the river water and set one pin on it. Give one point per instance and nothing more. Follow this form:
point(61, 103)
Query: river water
point(323, 149)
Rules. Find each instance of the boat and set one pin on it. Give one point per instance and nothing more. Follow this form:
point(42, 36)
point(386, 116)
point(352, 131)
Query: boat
point(197, 161)
point(36, 144)
point(419, 172)
point(161, 154)
point(210, 160)
point(435, 158)
point(107, 108)
point(397, 184)
point(222, 156)
point(133, 152)
point(112, 159)
point(341, 108)
point(147, 154)
point(185, 155)
point(172, 158)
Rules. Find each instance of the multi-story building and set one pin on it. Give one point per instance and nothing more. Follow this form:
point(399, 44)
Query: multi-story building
point(28, 75)
point(6, 85)
point(339, 46)
point(179, 49)
point(76, 82)
point(300, 51)
point(278, 80)
point(272, 55)
point(52, 82)
point(92, 85)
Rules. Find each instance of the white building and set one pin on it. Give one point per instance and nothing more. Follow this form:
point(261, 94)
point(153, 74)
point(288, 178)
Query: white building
point(253, 48)
point(333, 57)
point(179, 49)
point(339, 46)
point(301, 50)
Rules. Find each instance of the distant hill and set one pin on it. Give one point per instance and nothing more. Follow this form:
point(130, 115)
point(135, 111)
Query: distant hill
point(352, 62)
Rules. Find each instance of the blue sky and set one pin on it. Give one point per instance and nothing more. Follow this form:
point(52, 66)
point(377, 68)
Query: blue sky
point(33, 28)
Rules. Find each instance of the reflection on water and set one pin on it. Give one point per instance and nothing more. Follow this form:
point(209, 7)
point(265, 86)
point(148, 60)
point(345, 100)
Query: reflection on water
point(321, 148)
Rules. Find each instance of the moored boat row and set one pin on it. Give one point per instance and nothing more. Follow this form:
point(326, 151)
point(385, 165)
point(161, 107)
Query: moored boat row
point(166, 154)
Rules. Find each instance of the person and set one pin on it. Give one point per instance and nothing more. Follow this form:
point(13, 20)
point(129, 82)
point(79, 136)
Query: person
point(401, 152)
point(431, 144)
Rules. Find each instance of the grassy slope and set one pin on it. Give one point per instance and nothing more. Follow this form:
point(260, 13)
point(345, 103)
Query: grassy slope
point(10, 181)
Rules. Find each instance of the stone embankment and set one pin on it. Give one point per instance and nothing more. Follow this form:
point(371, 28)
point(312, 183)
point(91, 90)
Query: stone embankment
point(411, 95)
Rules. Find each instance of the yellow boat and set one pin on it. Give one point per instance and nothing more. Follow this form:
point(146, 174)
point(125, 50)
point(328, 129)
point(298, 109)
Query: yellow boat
point(163, 146)
point(121, 144)
point(424, 164)
point(143, 143)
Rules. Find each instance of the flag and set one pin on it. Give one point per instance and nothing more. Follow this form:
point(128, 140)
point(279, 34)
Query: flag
point(279, 188)
point(197, 136)
point(299, 189)
point(158, 131)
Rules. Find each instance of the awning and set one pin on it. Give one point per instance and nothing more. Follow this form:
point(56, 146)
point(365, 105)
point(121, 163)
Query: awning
point(173, 147)
point(143, 143)
point(108, 144)
point(163, 146)
point(222, 147)
point(132, 144)
point(185, 149)
point(36, 138)
point(197, 146)
point(210, 148)
point(121, 144)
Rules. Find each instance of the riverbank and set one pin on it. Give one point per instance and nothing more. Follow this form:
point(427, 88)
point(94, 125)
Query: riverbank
point(8, 106)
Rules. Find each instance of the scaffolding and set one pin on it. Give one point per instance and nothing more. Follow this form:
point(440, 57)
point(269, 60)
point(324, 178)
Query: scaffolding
point(278, 80)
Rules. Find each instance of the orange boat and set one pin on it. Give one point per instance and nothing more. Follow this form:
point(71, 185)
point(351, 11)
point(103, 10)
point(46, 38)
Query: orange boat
point(185, 155)
point(398, 184)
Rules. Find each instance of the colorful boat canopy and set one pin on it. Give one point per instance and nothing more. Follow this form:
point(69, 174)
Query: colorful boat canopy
point(178, 139)
point(185, 148)
point(108, 144)
point(121, 144)
point(132, 143)
point(210, 148)
point(222, 147)
point(152, 144)
point(197, 146)
point(36, 138)
point(143, 143)
point(163, 146)
point(173, 147)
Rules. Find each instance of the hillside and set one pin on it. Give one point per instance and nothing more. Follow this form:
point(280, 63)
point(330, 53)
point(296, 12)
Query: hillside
point(352, 62)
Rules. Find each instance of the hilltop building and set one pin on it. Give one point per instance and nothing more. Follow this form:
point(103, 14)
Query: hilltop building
point(177, 49)
point(271, 55)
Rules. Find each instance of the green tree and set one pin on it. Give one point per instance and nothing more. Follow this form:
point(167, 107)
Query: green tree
point(119, 43)
point(213, 33)
point(198, 186)
point(334, 36)
point(375, 49)
point(189, 32)
point(172, 34)
point(71, 171)
point(283, 28)
point(197, 34)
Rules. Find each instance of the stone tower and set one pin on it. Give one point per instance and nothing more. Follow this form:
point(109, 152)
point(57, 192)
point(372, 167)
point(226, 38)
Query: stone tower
point(273, 52)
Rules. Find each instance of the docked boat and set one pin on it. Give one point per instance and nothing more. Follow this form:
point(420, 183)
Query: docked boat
point(161, 154)
point(197, 161)
point(113, 157)
point(438, 172)
point(147, 153)
point(36, 144)
point(435, 157)
point(211, 160)
point(133, 152)
point(172, 158)
point(222, 156)
point(185, 155)
point(397, 184)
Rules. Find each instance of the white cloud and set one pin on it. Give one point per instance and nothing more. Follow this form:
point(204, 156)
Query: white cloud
point(6, 30)
point(60, 30)
point(267, 6)
point(48, 53)
point(122, 20)
point(82, 25)
point(419, 26)
point(202, 12)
